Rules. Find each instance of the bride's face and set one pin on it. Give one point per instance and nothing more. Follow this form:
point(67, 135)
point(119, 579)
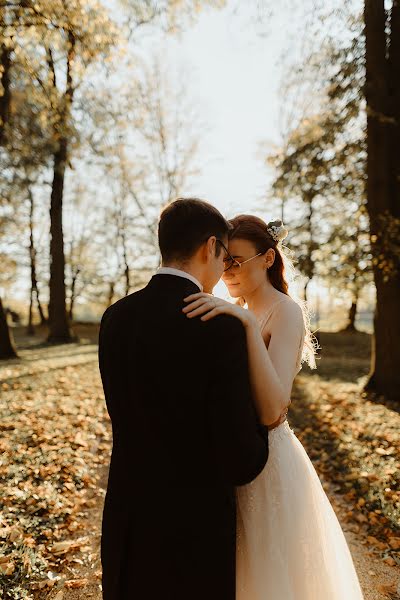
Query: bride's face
point(244, 280)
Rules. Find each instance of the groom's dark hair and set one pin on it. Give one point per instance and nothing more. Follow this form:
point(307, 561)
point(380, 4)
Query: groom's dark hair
point(185, 225)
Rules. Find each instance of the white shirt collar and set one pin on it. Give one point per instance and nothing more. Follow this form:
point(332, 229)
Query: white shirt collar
point(178, 273)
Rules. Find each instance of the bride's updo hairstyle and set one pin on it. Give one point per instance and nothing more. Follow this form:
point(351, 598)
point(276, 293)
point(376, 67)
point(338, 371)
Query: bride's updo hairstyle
point(270, 235)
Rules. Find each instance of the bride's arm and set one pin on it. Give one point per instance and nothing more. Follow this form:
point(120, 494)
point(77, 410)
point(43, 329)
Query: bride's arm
point(272, 371)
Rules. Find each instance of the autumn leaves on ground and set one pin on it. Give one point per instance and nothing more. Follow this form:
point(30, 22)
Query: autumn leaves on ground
point(56, 441)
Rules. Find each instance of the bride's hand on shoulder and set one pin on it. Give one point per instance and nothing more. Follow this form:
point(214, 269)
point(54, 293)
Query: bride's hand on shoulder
point(209, 307)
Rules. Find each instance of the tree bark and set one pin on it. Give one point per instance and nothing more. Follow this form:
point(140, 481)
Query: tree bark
point(5, 97)
point(43, 319)
point(5, 67)
point(122, 236)
point(32, 260)
point(110, 296)
point(30, 330)
point(382, 190)
point(73, 294)
point(308, 266)
point(59, 331)
point(34, 283)
point(7, 348)
point(58, 321)
point(351, 323)
point(127, 277)
point(394, 107)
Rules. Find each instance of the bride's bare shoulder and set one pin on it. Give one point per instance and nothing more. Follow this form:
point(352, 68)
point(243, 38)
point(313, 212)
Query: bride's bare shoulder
point(285, 309)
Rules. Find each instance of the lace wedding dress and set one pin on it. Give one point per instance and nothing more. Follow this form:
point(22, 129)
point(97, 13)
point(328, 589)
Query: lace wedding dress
point(290, 545)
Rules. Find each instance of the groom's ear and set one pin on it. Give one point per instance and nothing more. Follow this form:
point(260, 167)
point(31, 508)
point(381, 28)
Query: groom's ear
point(210, 246)
point(202, 251)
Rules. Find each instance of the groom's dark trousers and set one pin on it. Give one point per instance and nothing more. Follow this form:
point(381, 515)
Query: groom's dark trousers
point(185, 433)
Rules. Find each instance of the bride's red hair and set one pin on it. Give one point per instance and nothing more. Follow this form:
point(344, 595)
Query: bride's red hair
point(255, 230)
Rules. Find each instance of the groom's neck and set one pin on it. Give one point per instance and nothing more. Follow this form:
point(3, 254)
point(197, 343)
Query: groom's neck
point(189, 268)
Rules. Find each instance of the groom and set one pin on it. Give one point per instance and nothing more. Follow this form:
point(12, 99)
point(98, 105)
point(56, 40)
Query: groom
point(185, 432)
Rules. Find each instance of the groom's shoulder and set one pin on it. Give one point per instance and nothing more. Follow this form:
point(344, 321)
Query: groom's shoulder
point(120, 306)
point(224, 328)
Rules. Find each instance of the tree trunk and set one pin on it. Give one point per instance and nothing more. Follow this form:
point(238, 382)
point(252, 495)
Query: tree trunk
point(59, 330)
point(127, 280)
point(58, 321)
point(122, 236)
point(30, 330)
point(71, 309)
point(5, 96)
point(32, 259)
point(384, 377)
point(110, 293)
point(351, 323)
point(7, 348)
point(394, 107)
point(309, 267)
point(43, 320)
point(73, 295)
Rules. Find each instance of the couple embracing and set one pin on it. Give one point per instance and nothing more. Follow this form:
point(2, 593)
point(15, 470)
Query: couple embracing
point(210, 494)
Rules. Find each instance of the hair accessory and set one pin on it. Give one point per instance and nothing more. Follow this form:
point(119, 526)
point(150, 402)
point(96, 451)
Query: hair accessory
point(277, 230)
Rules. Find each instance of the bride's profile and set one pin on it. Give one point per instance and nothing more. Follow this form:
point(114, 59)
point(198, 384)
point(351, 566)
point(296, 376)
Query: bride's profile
point(290, 545)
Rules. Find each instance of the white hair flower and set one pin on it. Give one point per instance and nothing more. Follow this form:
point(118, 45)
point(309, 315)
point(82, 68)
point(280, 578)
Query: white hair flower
point(277, 230)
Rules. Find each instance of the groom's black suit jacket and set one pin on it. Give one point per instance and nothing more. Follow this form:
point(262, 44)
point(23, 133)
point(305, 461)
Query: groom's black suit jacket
point(185, 433)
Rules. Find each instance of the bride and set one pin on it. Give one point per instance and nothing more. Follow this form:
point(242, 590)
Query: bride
point(290, 545)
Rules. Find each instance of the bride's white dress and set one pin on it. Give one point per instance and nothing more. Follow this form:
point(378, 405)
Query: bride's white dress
point(290, 545)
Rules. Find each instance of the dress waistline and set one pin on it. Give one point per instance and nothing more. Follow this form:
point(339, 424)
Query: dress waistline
point(281, 420)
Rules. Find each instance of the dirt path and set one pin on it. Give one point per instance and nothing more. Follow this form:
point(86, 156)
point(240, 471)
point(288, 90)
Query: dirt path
point(379, 581)
point(62, 387)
